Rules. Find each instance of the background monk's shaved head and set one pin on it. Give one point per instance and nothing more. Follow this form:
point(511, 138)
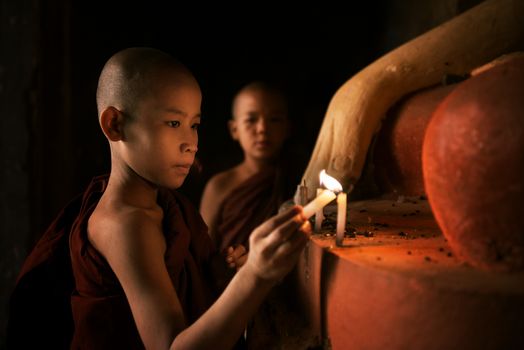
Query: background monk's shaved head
point(265, 88)
point(131, 74)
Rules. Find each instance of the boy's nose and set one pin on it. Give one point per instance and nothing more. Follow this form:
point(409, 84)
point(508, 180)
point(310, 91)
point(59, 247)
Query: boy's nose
point(189, 144)
point(261, 125)
point(188, 147)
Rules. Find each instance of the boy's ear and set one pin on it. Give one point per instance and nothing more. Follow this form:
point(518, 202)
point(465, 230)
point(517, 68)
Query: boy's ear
point(112, 122)
point(232, 124)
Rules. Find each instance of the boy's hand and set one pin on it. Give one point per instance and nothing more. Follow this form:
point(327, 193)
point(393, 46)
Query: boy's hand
point(276, 244)
point(236, 256)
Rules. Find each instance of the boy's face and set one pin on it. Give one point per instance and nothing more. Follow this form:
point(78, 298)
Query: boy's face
point(260, 123)
point(161, 137)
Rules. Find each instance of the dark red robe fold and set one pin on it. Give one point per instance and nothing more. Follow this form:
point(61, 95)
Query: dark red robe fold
point(249, 205)
point(87, 288)
point(246, 207)
point(39, 308)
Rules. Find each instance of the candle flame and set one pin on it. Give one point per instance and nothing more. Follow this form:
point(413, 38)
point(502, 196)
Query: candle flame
point(329, 182)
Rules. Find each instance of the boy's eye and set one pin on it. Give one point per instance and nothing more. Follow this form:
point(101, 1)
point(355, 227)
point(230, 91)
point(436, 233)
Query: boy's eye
point(251, 118)
point(195, 126)
point(173, 123)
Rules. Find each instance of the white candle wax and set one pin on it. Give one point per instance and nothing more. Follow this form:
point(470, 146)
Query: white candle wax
point(318, 203)
point(319, 215)
point(341, 217)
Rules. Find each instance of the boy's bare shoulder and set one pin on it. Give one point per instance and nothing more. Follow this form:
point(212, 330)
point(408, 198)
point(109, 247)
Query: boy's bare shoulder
point(222, 183)
point(217, 188)
point(223, 179)
point(125, 226)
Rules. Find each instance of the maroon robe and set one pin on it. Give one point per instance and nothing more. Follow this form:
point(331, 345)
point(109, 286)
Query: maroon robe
point(98, 306)
point(39, 308)
point(247, 206)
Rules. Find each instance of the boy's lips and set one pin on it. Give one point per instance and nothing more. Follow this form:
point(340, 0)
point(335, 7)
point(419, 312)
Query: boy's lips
point(184, 168)
point(262, 144)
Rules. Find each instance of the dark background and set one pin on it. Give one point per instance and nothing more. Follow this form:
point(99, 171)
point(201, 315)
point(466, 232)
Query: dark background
point(51, 53)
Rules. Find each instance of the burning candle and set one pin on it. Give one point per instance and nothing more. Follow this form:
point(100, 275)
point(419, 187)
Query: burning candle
point(318, 203)
point(325, 196)
point(319, 215)
point(335, 186)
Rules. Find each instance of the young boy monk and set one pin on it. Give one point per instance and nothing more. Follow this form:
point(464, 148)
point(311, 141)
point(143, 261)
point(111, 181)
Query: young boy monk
point(238, 199)
point(235, 201)
point(140, 251)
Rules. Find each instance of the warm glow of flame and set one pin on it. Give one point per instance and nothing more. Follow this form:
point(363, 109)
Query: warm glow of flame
point(329, 182)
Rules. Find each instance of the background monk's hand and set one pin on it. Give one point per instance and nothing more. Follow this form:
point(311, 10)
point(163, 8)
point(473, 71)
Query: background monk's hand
point(236, 256)
point(276, 244)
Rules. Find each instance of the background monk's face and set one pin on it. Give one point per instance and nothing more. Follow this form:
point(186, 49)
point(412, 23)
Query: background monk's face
point(161, 136)
point(260, 123)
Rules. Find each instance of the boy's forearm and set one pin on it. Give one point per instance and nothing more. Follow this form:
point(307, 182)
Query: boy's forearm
point(221, 326)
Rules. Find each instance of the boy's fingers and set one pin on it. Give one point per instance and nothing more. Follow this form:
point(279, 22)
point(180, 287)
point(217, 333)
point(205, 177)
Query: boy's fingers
point(229, 251)
point(239, 251)
point(241, 260)
point(267, 227)
point(296, 243)
point(306, 228)
point(233, 252)
point(285, 231)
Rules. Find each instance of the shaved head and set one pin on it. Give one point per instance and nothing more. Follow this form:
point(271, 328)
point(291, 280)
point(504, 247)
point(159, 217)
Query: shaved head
point(132, 74)
point(259, 87)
